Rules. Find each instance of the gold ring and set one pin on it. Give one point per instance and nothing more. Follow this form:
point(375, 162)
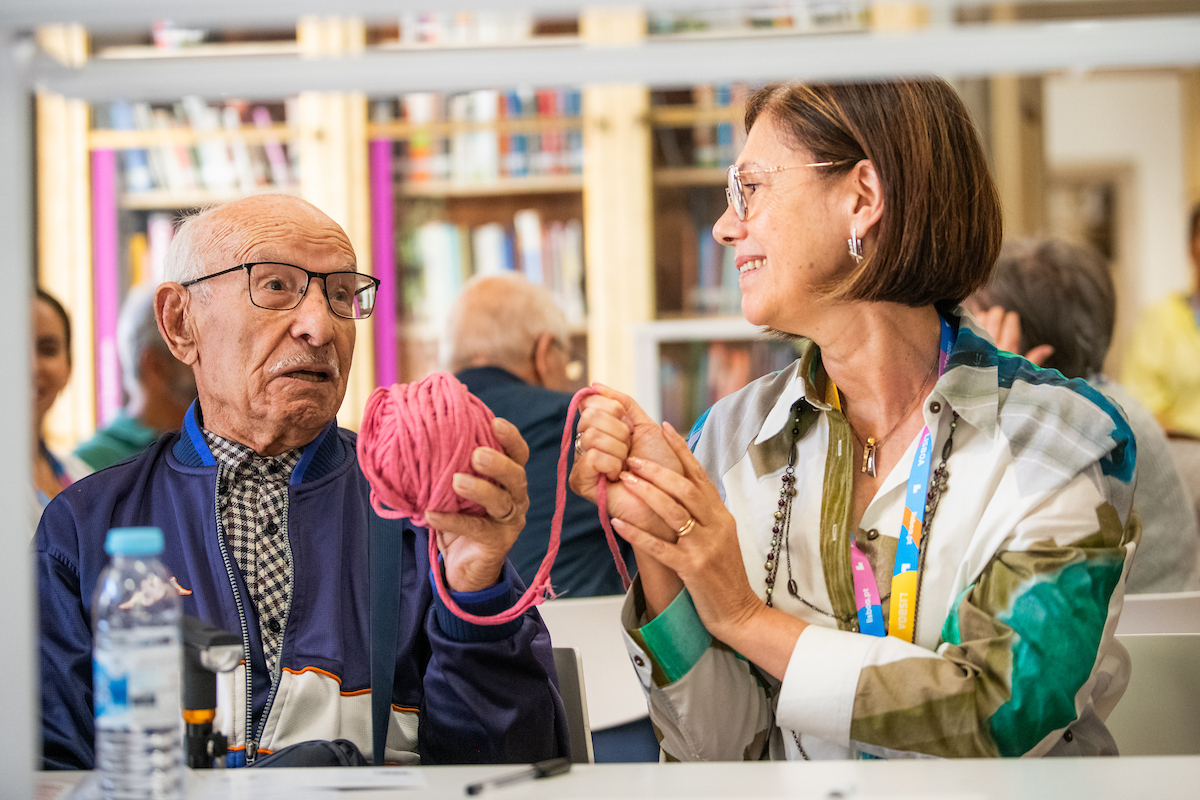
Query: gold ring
point(686, 528)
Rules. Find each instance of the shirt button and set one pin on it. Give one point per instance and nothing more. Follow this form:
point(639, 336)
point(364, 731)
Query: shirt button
point(273, 625)
point(272, 528)
point(872, 534)
point(935, 407)
point(1068, 736)
point(639, 661)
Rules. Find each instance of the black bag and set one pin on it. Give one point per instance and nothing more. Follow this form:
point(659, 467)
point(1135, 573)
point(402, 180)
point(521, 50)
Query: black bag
point(317, 753)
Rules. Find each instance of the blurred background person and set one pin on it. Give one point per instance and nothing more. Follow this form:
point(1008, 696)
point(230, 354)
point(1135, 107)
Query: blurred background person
point(507, 342)
point(51, 370)
point(1162, 365)
point(158, 387)
point(1055, 303)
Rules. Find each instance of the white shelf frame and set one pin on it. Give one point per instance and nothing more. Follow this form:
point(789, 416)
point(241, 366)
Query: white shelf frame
point(649, 336)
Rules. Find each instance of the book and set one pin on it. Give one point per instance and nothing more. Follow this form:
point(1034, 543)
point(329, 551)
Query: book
point(528, 226)
point(215, 160)
point(276, 157)
point(135, 162)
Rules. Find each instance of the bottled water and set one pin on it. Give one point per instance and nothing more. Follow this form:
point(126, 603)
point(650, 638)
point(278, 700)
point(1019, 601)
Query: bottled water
point(137, 663)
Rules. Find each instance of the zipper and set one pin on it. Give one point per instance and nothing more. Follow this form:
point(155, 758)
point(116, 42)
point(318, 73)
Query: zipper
point(277, 673)
point(251, 744)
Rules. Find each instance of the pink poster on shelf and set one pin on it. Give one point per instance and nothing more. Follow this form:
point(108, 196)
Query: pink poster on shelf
point(106, 284)
point(383, 261)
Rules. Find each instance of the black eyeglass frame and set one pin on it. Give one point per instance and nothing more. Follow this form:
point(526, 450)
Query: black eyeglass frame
point(322, 275)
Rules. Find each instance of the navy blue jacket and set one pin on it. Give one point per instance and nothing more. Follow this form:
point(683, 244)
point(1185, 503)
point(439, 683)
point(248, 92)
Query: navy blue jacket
point(462, 693)
point(584, 566)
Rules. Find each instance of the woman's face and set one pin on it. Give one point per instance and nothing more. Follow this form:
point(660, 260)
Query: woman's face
point(51, 368)
point(793, 239)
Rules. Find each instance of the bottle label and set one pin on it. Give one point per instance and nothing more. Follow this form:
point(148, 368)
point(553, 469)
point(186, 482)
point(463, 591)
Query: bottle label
point(136, 678)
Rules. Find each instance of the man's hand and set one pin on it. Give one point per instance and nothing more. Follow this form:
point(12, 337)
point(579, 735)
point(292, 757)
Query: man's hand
point(474, 548)
point(1004, 327)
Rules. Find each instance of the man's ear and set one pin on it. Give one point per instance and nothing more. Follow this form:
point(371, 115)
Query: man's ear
point(865, 197)
point(541, 357)
point(171, 310)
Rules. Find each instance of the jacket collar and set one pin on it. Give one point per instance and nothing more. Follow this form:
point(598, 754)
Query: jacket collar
point(317, 459)
point(969, 385)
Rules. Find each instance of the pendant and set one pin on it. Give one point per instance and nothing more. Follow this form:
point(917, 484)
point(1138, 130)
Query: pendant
point(868, 465)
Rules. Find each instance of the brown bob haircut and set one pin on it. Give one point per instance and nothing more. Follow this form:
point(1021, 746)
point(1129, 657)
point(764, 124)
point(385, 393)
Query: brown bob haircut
point(941, 227)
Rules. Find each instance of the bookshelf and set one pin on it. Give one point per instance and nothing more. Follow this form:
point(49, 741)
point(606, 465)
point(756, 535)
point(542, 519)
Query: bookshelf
point(638, 205)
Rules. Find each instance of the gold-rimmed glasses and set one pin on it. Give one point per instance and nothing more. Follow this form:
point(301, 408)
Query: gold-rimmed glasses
point(737, 195)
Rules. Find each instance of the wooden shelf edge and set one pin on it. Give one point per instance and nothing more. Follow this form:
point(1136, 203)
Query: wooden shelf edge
point(395, 45)
point(210, 50)
point(542, 184)
point(109, 139)
point(164, 199)
point(690, 176)
point(683, 116)
point(405, 130)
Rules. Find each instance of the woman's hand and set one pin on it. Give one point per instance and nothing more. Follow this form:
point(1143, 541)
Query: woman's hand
point(704, 552)
point(708, 558)
point(612, 427)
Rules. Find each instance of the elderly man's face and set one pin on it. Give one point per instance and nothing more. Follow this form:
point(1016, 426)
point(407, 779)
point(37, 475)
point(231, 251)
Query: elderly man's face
point(262, 372)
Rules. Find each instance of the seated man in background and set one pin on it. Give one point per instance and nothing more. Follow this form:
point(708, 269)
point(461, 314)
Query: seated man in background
point(158, 387)
point(265, 513)
point(507, 343)
point(1055, 303)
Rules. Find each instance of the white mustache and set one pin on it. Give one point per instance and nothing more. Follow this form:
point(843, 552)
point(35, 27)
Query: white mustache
point(301, 361)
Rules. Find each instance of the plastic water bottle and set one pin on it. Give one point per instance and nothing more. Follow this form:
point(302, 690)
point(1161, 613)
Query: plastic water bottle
point(137, 664)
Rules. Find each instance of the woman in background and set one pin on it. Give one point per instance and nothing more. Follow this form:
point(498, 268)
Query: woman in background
point(51, 370)
point(907, 543)
point(1162, 364)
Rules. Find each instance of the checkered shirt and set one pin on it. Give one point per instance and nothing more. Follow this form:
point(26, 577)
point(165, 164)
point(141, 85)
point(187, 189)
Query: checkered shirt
point(252, 494)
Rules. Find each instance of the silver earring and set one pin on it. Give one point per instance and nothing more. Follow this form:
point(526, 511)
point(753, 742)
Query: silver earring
point(855, 243)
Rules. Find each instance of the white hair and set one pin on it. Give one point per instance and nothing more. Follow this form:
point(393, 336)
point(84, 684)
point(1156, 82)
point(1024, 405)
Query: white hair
point(137, 331)
point(497, 320)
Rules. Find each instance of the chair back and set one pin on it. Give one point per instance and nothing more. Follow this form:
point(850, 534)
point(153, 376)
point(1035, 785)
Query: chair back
point(1159, 713)
point(592, 625)
point(569, 666)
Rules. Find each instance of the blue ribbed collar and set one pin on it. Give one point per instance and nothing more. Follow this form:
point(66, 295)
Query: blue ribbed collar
point(318, 458)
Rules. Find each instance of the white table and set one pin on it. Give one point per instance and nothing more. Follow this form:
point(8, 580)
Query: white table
point(1049, 779)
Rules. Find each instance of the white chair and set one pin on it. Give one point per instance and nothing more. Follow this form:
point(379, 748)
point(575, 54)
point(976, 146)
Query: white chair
point(1160, 711)
point(569, 666)
point(592, 625)
point(1175, 612)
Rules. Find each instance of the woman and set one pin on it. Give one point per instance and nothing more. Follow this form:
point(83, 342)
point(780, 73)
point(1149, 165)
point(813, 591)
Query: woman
point(51, 371)
point(1162, 364)
point(861, 215)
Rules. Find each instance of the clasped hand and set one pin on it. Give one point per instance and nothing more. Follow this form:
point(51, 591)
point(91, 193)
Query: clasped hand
point(655, 487)
point(474, 548)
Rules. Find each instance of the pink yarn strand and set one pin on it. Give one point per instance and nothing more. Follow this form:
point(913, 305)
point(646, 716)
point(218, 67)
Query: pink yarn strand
point(413, 439)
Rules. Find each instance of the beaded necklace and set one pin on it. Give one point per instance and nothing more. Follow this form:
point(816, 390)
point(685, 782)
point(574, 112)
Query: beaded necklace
point(781, 529)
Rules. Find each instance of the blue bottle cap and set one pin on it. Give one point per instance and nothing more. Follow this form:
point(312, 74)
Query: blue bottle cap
point(134, 541)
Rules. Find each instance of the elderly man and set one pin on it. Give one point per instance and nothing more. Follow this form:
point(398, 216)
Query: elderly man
point(158, 386)
point(507, 344)
point(266, 518)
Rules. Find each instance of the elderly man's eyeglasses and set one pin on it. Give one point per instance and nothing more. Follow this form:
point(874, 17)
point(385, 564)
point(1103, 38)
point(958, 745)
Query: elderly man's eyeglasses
point(736, 194)
point(281, 287)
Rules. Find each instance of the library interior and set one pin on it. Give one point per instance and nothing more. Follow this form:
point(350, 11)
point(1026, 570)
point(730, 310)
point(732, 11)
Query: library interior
point(579, 180)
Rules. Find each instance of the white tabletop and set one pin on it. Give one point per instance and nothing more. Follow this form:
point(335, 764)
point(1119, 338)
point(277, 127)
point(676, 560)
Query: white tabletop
point(999, 779)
